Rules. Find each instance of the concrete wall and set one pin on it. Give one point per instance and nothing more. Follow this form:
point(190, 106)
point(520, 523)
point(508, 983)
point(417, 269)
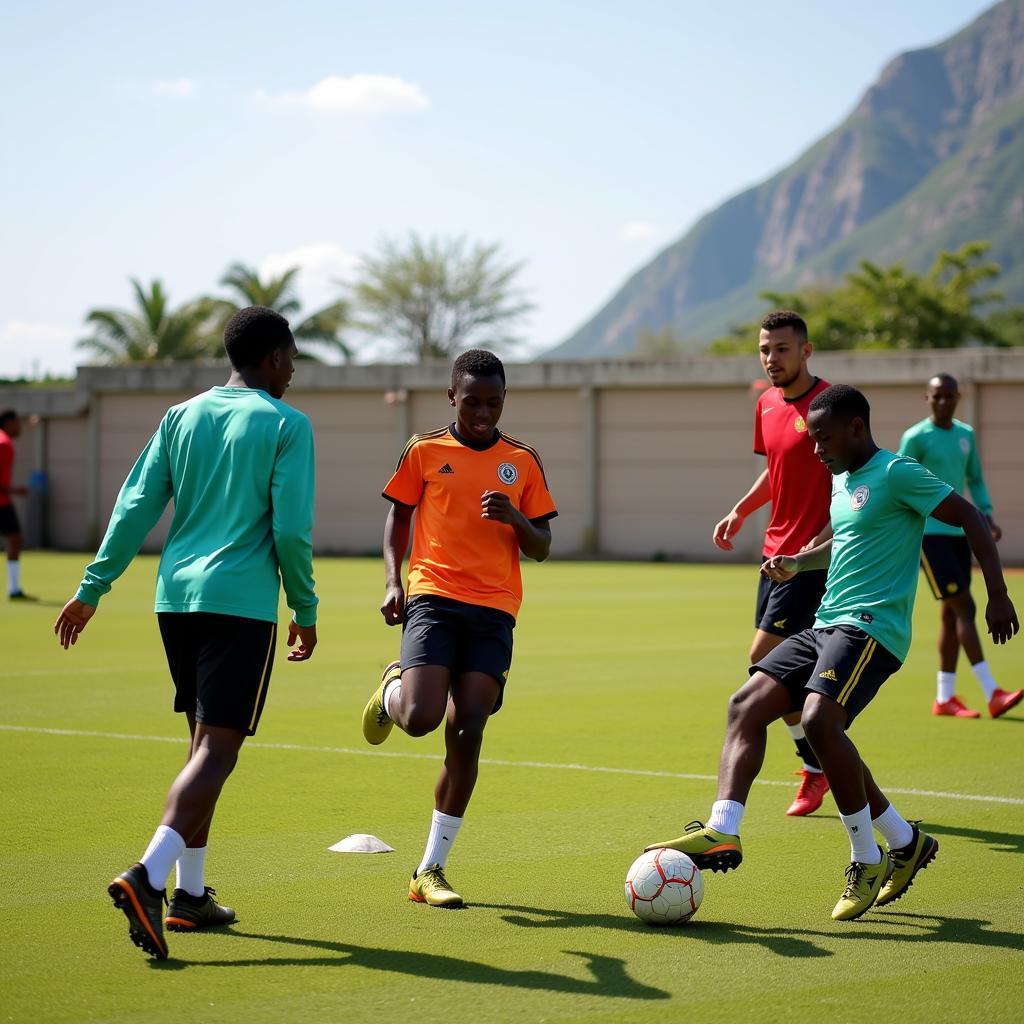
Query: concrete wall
point(643, 458)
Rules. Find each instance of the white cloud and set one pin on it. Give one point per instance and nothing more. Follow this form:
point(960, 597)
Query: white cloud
point(638, 230)
point(176, 88)
point(354, 94)
point(35, 349)
point(321, 265)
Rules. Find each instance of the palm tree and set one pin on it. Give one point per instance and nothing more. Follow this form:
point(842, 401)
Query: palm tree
point(152, 330)
point(320, 329)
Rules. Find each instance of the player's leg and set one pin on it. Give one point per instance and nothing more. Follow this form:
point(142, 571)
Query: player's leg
point(14, 542)
point(473, 697)
point(772, 691)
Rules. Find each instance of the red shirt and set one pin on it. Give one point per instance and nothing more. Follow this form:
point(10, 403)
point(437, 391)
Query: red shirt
point(801, 485)
point(6, 465)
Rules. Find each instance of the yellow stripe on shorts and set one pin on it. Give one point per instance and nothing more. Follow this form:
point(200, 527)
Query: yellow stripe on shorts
point(930, 576)
point(263, 680)
point(858, 671)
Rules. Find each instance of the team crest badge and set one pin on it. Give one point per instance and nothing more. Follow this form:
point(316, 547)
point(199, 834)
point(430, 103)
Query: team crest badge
point(965, 446)
point(859, 498)
point(800, 425)
point(508, 474)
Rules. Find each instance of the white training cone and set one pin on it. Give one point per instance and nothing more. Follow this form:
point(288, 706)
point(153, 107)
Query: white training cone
point(361, 843)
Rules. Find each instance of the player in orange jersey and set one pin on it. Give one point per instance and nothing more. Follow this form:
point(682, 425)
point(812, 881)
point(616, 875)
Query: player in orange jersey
point(480, 498)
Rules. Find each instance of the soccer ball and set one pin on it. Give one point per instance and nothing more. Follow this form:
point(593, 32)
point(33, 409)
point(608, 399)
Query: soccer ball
point(664, 887)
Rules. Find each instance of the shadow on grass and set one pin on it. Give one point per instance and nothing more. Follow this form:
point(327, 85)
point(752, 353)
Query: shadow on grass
point(786, 942)
point(999, 842)
point(609, 976)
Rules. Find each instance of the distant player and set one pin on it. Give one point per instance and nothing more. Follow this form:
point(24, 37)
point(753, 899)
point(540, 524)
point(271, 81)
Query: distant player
point(10, 527)
point(475, 498)
point(238, 464)
point(947, 447)
point(861, 635)
point(798, 487)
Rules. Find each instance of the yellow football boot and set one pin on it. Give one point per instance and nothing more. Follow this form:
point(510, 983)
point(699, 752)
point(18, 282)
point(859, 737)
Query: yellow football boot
point(431, 887)
point(863, 884)
point(706, 847)
point(906, 863)
point(377, 724)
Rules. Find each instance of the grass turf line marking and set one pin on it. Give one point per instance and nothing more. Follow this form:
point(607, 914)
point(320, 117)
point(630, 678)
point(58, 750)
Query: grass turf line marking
point(413, 756)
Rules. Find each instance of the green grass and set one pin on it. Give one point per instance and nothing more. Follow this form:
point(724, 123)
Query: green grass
point(617, 667)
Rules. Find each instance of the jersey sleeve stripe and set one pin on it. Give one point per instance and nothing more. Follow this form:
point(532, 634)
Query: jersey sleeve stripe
point(528, 448)
point(414, 440)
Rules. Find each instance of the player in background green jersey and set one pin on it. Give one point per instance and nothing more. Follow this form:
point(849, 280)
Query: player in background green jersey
point(947, 448)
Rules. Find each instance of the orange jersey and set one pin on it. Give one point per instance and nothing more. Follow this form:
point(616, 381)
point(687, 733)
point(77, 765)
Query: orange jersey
point(456, 553)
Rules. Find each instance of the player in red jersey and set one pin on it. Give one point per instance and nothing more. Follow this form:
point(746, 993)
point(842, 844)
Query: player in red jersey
point(799, 488)
point(10, 527)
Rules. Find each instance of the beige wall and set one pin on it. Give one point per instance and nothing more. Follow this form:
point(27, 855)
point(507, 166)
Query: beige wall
point(642, 459)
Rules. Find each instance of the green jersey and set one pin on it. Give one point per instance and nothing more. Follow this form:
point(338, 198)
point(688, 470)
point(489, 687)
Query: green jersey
point(952, 455)
point(878, 515)
point(238, 465)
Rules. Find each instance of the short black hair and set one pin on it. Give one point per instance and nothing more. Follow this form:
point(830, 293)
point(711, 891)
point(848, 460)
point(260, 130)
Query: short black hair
point(947, 378)
point(252, 333)
point(8, 414)
point(782, 318)
point(843, 401)
point(477, 362)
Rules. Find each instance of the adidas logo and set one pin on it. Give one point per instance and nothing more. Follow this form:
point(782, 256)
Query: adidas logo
point(829, 673)
point(446, 469)
point(781, 624)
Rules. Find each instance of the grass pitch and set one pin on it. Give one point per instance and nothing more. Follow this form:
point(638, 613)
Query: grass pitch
point(610, 733)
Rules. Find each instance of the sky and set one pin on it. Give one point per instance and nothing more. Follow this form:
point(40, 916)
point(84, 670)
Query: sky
point(171, 140)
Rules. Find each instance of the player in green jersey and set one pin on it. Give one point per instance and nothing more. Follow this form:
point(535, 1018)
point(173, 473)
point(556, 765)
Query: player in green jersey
point(947, 447)
point(238, 464)
point(861, 635)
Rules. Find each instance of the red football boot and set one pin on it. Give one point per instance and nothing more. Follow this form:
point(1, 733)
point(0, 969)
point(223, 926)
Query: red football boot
point(955, 707)
point(1002, 701)
point(813, 787)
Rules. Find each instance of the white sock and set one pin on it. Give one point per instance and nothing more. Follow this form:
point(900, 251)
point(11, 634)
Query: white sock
point(192, 871)
point(443, 830)
point(863, 847)
point(726, 816)
point(896, 831)
point(13, 576)
point(984, 676)
point(945, 686)
point(164, 849)
point(389, 691)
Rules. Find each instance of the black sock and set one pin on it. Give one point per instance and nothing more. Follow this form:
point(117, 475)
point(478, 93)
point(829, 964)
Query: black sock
point(803, 748)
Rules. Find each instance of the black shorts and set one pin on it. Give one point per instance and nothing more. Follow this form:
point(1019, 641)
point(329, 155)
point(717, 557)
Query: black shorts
point(785, 609)
point(220, 665)
point(946, 562)
point(9, 523)
point(462, 637)
point(841, 662)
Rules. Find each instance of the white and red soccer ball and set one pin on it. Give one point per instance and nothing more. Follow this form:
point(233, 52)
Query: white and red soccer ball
point(664, 887)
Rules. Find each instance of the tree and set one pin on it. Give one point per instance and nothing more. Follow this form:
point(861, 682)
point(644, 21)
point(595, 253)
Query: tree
point(321, 329)
point(430, 298)
point(153, 331)
point(894, 308)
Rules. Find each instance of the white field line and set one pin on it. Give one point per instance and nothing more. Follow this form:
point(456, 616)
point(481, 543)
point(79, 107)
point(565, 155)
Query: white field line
point(552, 766)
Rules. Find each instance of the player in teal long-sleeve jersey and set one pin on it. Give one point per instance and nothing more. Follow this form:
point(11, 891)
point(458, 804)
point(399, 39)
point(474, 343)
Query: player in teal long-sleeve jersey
point(947, 447)
point(238, 465)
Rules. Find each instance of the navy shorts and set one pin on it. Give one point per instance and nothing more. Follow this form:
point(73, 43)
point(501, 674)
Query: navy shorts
point(841, 662)
point(461, 637)
point(946, 562)
point(220, 665)
point(9, 524)
point(784, 609)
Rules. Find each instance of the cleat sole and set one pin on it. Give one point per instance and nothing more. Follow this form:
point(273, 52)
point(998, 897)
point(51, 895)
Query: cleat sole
point(177, 924)
point(139, 930)
point(932, 853)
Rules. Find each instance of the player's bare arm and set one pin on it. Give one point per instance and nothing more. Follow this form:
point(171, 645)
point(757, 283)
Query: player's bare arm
point(760, 493)
point(396, 543)
point(994, 529)
point(784, 567)
point(534, 538)
point(73, 618)
point(1000, 614)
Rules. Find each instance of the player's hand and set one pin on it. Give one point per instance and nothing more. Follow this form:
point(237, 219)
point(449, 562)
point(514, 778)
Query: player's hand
point(305, 636)
point(393, 608)
point(780, 568)
point(1001, 617)
point(994, 529)
point(497, 505)
point(72, 620)
point(727, 529)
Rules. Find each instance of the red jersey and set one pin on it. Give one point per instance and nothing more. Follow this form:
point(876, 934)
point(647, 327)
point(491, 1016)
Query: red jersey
point(6, 466)
point(801, 485)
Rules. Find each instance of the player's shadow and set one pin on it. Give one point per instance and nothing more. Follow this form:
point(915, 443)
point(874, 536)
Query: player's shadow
point(786, 942)
point(608, 975)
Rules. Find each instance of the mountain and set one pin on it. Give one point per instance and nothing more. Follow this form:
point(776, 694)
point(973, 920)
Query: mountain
point(931, 157)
